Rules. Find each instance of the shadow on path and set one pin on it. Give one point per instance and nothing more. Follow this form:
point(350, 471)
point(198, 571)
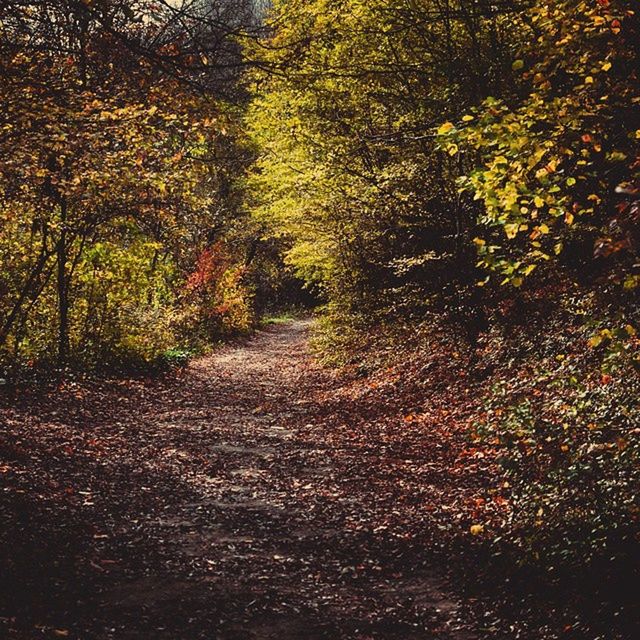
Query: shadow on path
point(209, 504)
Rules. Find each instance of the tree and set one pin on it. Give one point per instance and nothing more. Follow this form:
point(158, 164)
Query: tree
point(558, 157)
point(349, 168)
point(112, 162)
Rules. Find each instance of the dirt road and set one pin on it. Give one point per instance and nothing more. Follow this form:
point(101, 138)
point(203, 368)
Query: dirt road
point(228, 501)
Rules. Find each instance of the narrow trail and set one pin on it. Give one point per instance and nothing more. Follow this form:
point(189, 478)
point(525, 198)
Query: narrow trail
point(226, 503)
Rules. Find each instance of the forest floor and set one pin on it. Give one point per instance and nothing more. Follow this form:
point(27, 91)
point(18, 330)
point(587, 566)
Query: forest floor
point(251, 495)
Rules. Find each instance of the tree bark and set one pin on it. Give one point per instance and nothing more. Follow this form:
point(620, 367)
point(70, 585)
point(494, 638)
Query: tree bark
point(24, 293)
point(63, 289)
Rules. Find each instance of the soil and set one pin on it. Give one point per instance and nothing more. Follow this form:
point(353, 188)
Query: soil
point(237, 498)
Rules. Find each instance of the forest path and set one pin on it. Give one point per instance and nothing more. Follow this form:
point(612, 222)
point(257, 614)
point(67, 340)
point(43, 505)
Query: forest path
point(226, 502)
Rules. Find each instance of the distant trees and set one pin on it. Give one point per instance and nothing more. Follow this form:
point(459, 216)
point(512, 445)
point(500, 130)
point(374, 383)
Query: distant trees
point(411, 150)
point(350, 168)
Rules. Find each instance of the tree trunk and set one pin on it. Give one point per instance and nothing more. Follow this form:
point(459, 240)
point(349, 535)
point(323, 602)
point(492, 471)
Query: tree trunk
point(63, 289)
point(23, 295)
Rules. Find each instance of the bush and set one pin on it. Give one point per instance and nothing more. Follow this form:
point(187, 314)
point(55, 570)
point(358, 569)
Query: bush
point(568, 439)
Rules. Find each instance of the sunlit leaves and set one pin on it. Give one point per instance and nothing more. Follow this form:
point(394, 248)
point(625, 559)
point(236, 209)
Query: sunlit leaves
point(544, 158)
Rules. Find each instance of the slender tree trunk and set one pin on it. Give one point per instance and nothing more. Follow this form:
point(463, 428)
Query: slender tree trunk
point(152, 270)
point(23, 295)
point(63, 289)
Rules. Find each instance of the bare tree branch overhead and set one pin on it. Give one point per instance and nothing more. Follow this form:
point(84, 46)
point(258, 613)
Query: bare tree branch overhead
point(195, 40)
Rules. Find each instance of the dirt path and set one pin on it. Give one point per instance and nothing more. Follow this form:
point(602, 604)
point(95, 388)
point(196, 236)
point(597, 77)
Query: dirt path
point(231, 502)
